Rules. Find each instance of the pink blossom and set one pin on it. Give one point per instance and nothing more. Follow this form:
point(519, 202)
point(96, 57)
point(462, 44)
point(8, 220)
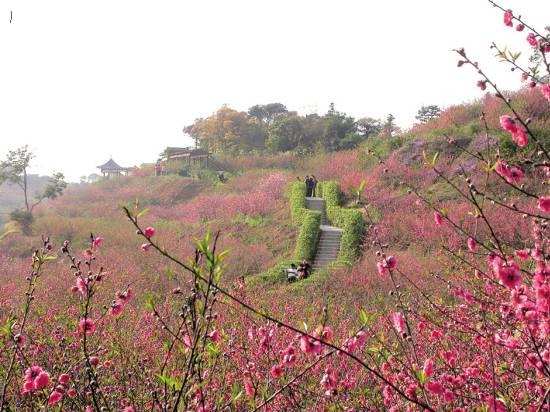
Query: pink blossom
point(145, 247)
point(289, 356)
point(390, 262)
point(129, 409)
point(276, 371)
point(523, 254)
point(20, 340)
point(520, 27)
point(482, 84)
point(438, 219)
point(428, 368)
point(545, 90)
point(64, 378)
point(71, 393)
point(512, 174)
point(82, 286)
point(508, 124)
point(472, 244)
point(398, 321)
point(94, 360)
point(520, 137)
point(532, 40)
point(214, 336)
point(42, 380)
point(435, 387)
point(86, 326)
point(508, 273)
point(97, 242)
point(544, 203)
point(508, 17)
point(249, 388)
point(149, 232)
point(327, 333)
point(35, 379)
point(54, 398)
point(116, 308)
point(382, 270)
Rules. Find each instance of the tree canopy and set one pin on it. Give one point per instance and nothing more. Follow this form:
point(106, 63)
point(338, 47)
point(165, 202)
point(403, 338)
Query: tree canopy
point(273, 128)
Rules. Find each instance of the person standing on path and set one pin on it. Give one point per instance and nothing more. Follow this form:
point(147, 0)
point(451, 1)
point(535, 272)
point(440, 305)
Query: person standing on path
point(313, 186)
point(309, 186)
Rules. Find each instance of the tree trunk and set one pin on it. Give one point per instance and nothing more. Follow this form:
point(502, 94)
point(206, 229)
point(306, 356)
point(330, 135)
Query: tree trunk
point(25, 189)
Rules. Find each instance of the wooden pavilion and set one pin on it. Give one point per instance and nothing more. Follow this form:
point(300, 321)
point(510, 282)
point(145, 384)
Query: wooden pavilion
point(113, 169)
point(186, 156)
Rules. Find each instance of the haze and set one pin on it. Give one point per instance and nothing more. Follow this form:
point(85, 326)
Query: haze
point(83, 81)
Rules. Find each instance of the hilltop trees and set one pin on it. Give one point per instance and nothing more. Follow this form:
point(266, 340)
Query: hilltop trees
point(273, 128)
point(14, 170)
point(427, 113)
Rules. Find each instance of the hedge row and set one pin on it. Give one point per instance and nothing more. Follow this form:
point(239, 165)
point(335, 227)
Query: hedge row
point(297, 200)
point(309, 221)
point(306, 244)
point(351, 222)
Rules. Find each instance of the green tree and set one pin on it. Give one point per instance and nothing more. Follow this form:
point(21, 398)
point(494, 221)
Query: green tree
point(14, 170)
point(267, 113)
point(286, 133)
point(427, 113)
point(338, 130)
point(390, 128)
point(227, 130)
point(367, 126)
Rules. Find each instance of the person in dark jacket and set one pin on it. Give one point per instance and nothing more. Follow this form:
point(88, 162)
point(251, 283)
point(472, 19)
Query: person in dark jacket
point(309, 186)
point(304, 269)
point(313, 186)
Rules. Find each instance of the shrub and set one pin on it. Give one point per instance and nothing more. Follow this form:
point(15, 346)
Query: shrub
point(306, 244)
point(349, 220)
point(297, 199)
point(23, 218)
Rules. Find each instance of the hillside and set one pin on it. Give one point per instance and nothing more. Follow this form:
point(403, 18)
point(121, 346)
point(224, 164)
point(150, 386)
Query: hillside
point(404, 183)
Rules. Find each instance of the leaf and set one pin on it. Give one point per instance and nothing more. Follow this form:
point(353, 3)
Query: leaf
point(142, 213)
point(149, 301)
point(47, 258)
point(434, 159)
point(421, 376)
point(170, 274)
point(170, 382)
point(7, 233)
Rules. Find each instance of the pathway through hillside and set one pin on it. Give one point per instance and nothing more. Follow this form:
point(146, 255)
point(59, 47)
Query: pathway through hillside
point(329, 238)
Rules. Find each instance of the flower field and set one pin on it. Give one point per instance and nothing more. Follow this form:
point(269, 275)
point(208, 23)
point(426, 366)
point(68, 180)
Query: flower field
point(142, 293)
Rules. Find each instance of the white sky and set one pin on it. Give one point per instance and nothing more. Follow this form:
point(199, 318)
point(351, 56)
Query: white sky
point(83, 80)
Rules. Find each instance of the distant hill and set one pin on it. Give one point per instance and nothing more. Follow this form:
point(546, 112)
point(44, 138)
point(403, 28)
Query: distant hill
point(11, 196)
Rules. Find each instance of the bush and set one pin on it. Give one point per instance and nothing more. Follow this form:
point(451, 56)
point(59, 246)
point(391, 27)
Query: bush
point(306, 244)
point(23, 218)
point(297, 199)
point(349, 220)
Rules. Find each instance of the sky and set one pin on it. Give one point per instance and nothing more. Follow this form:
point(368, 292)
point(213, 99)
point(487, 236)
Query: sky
point(82, 81)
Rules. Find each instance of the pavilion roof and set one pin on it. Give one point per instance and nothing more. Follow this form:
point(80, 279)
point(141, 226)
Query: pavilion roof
point(111, 165)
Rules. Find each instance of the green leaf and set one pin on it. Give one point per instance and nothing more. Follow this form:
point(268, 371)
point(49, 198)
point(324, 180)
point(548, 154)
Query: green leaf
point(142, 213)
point(149, 301)
point(434, 159)
point(170, 382)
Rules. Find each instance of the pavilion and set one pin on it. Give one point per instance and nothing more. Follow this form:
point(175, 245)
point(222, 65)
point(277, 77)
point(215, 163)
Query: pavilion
point(113, 169)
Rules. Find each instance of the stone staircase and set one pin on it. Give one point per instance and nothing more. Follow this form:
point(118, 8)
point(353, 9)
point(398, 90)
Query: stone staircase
point(329, 239)
point(318, 204)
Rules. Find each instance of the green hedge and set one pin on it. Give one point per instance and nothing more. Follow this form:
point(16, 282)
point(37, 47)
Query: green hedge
point(297, 200)
point(351, 222)
point(309, 222)
point(306, 244)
